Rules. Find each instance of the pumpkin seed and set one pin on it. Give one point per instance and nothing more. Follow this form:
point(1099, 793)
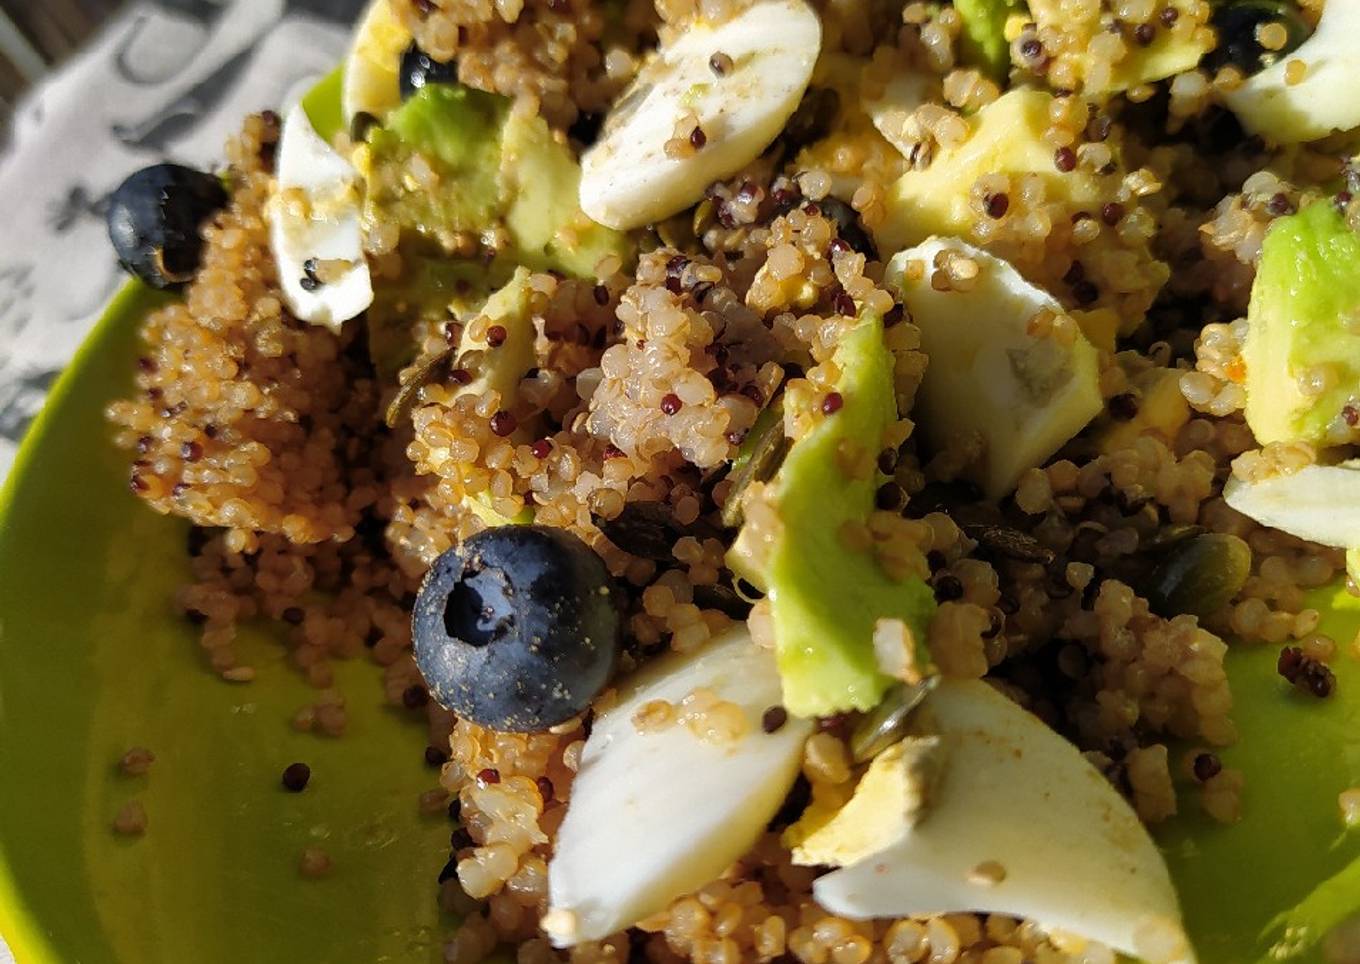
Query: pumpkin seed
point(723, 598)
point(705, 216)
point(1168, 537)
point(1199, 576)
point(435, 369)
point(759, 458)
point(887, 722)
point(648, 530)
point(1011, 543)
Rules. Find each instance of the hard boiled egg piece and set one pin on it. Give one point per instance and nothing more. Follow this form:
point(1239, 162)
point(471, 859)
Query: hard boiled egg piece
point(1020, 824)
point(371, 83)
point(658, 811)
point(997, 375)
point(1322, 96)
point(1320, 503)
point(891, 797)
point(314, 226)
point(739, 80)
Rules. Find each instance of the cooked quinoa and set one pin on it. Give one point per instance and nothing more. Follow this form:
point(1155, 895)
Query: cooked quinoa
point(644, 378)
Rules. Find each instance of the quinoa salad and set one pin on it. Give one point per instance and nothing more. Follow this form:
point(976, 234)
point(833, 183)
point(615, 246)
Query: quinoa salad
point(807, 460)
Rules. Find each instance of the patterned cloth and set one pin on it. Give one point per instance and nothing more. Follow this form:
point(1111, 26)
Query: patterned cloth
point(167, 80)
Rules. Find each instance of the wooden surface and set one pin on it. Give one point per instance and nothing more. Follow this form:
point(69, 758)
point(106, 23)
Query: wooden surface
point(36, 35)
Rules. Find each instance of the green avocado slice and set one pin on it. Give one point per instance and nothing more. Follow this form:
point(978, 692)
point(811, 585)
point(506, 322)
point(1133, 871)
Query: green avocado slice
point(824, 597)
point(453, 163)
point(983, 39)
point(434, 166)
point(429, 288)
point(322, 104)
point(1302, 351)
point(542, 180)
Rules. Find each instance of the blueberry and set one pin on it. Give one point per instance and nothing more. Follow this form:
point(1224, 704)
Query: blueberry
point(154, 219)
point(418, 69)
point(1237, 23)
point(518, 628)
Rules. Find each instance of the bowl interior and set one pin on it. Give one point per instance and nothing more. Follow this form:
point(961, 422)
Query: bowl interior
point(94, 660)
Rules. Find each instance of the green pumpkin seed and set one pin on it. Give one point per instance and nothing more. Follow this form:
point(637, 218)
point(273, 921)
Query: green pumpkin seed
point(1011, 543)
point(705, 216)
point(887, 722)
point(649, 530)
point(759, 458)
point(678, 232)
point(436, 369)
point(1199, 576)
point(723, 598)
point(1168, 537)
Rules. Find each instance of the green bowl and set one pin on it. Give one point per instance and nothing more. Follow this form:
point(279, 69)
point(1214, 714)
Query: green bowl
point(94, 660)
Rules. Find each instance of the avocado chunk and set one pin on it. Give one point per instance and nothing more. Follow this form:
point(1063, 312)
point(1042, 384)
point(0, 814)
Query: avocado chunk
point(454, 163)
point(825, 597)
point(322, 104)
point(497, 368)
point(428, 288)
point(1008, 137)
point(1007, 368)
point(452, 167)
point(983, 39)
point(1162, 412)
point(1302, 351)
point(435, 167)
point(1168, 52)
point(542, 180)
point(500, 368)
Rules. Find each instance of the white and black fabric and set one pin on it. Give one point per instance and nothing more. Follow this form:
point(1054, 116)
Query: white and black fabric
point(167, 80)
